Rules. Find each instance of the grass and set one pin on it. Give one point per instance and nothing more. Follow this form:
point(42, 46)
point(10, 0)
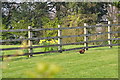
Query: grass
point(95, 63)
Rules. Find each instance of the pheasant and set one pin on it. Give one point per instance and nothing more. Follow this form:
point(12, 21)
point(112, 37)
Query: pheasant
point(82, 51)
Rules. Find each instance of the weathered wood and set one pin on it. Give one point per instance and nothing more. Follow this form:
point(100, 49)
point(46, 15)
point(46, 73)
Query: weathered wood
point(57, 51)
point(61, 44)
point(63, 28)
point(10, 48)
point(109, 34)
point(85, 37)
point(30, 41)
point(89, 34)
point(16, 30)
point(14, 55)
point(10, 40)
point(59, 39)
point(91, 47)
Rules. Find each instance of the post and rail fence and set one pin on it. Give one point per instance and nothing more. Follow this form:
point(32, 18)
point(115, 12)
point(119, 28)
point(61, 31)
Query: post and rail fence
point(60, 37)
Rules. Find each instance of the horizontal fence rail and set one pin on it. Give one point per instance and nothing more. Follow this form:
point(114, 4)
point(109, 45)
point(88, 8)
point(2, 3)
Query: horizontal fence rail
point(60, 44)
point(16, 30)
point(60, 37)
point(57, 50)
point(63, 28)
point(10, 40)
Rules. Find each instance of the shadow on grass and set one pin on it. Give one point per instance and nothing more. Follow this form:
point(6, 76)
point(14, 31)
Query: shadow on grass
point(18, 58)
point(46, 54)
point(64, 52)
point(37, 55)
point(104, 48)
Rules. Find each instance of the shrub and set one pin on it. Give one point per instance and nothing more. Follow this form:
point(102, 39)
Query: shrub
point(49, 42)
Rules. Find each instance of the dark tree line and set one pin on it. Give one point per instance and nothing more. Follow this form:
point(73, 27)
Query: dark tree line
point(48, 14)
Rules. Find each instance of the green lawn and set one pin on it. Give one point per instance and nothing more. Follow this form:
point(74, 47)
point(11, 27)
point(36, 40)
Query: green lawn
point(95, 63)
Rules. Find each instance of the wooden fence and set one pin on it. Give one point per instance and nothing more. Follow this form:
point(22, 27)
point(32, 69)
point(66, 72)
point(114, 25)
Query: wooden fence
point(60, 37)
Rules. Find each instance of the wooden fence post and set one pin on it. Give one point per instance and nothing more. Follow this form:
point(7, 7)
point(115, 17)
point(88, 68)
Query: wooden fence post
point(109, 34)
point(29, 41)
point(59, 39)
point(85, 37)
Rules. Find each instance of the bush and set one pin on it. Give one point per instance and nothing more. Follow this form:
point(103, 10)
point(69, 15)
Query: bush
point(49, 42)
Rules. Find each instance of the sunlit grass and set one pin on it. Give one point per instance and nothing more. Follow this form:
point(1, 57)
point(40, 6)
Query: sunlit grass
point(95, 63)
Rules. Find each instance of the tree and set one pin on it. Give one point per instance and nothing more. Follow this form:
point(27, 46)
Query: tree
point(6, 19)
point(37, 14)
point(117, 4)
point(22, 15)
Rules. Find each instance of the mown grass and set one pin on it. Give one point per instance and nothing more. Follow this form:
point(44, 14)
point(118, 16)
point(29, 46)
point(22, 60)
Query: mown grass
point(95, 63)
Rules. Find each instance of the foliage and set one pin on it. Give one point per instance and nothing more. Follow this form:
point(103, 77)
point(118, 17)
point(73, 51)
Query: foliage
point(117, 4)
point(51, 24)
point(22, 24)
point(49, 42)
point(115, 41)
point(75, 21)
point(43, 70)
point(24, 46)
point(21, 15)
